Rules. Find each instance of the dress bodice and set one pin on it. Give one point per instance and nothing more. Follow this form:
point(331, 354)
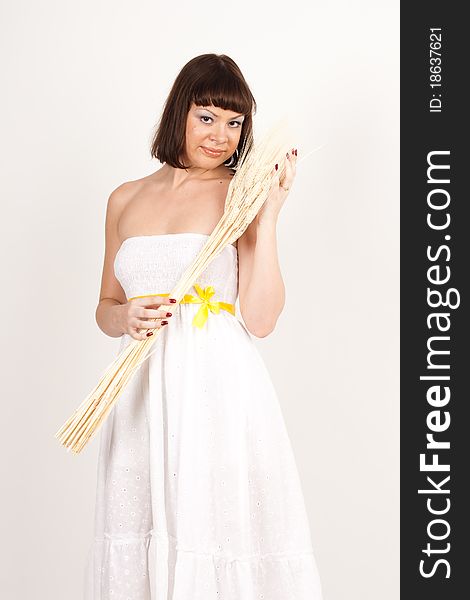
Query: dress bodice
point(154, 264)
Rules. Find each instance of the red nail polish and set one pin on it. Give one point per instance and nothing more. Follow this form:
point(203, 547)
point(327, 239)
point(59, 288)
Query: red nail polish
point(149, 333)
point(296, 151)
point(172, 299)
point(168, 314)
point(275, 166)
point(164, 322)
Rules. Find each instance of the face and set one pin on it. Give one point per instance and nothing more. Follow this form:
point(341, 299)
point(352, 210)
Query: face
point(211, 128)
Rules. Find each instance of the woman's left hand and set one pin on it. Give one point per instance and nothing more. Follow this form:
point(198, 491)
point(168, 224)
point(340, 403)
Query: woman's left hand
point(278, 192)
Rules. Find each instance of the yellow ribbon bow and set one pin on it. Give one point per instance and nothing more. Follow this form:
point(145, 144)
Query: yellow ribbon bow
point(204, 298)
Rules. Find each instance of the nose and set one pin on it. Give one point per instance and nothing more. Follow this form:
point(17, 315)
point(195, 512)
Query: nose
point(219, 134)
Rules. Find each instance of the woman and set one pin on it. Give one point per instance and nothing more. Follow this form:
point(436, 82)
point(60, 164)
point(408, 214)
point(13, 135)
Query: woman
point(198, 493)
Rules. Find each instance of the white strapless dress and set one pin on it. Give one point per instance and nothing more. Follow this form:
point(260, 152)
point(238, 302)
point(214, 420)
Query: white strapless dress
point(198, 494)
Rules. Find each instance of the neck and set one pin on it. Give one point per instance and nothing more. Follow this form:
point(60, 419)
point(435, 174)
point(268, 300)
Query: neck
point(177, 177)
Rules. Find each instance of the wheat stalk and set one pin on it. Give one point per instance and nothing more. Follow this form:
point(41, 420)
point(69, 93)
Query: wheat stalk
point(246, 194)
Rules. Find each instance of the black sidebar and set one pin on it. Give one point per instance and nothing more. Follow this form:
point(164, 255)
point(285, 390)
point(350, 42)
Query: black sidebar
point(434, 259)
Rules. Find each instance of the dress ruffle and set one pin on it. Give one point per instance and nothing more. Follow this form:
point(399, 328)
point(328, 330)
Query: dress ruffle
point(134, 563)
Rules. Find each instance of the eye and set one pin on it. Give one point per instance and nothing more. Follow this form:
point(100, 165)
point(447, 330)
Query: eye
point(238, 123)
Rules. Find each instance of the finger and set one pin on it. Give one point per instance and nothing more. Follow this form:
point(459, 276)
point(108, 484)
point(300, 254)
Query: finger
point(140, 324)
point(292, 157)
point(285, 181)
point(138, 335)
point(149, 313)
point(143, 335)
point(162, 300)
point(294, 160)
point(289, 164)
point(147, 330)
point(274, 181)
point(155, 300)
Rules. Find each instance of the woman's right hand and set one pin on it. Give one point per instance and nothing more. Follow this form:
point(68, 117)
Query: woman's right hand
point(136, 315)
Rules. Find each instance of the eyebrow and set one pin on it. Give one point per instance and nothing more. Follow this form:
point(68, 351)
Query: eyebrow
point(236, 117)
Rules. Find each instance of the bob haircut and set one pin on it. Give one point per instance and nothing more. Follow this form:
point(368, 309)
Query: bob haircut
point(206, 79)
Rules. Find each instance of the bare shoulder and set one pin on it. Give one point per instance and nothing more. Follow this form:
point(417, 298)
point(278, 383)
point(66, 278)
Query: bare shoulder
point(121, 195)
point(124, 193)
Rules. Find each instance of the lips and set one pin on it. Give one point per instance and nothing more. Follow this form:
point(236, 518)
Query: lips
point(211, 152)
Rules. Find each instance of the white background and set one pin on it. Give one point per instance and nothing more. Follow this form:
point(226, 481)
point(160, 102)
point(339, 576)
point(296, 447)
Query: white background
point(83, 86)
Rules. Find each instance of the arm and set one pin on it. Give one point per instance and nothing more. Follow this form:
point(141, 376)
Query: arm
point(260, 284)
point(112, 296)
point(261, 287)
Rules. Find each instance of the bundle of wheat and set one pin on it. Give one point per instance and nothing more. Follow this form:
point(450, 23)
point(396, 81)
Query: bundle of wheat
point(247, 192)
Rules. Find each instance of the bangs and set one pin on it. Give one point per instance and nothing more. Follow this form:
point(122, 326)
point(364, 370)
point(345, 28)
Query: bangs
point(222, 90)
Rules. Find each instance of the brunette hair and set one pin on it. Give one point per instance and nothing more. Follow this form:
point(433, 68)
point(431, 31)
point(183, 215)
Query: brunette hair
point(206, 79)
